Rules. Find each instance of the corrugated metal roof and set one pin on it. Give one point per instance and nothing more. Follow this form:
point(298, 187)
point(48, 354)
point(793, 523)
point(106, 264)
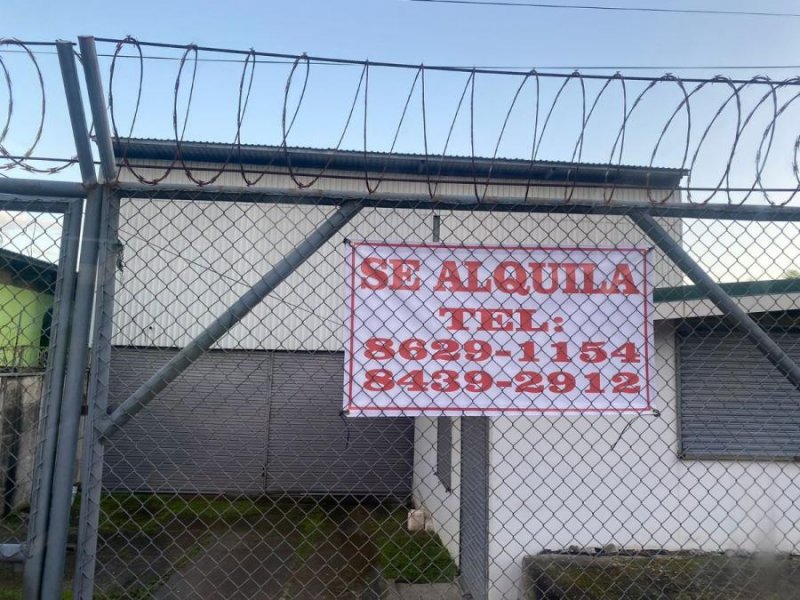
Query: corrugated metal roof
point(36, 273)
point(735, 289)
point(435, 166)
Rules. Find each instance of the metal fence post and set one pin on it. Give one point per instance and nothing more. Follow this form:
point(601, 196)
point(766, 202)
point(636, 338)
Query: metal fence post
point(70, 415)
point(59, 502)
point(94, 89)
point(92, 457)
point(99, 373)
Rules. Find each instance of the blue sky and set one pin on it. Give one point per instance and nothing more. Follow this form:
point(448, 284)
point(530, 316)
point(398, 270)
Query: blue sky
point(395, 30)
point(450, 34)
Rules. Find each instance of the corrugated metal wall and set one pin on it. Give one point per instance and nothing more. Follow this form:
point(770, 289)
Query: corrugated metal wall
point(206, 433)
point(236, 419)
point(559, 230)
point(474, 519)
point(185, 262)
point(733, 402)
point(337, 455)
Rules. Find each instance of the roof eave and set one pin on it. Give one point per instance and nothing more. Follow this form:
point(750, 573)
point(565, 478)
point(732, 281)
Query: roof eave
point(437, 166)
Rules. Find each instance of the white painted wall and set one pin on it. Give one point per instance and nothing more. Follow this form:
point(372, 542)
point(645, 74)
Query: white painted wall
point(589, 481)
point(428, 492)
point(184, 262)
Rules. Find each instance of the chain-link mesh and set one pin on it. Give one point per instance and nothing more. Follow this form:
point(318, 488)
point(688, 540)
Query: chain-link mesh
point(30, 252)
point(244, 478)
point(352, 373)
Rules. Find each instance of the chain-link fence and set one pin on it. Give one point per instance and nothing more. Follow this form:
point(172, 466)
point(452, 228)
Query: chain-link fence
point(327, 373)
point(626, 463)
point(39, 243)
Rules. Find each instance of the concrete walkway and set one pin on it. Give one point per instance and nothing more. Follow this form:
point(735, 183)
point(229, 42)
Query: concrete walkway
point(422, 591)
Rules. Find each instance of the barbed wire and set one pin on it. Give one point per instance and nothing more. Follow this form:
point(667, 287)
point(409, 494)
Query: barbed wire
point(748, 111)
point(751, 114)
point(23, 159)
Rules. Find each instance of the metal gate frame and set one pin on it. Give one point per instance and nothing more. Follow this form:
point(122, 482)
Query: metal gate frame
point(44, 553)
point(63, 294)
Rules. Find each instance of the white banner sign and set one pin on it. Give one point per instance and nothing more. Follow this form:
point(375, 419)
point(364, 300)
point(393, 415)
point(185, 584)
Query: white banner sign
point(477, 330)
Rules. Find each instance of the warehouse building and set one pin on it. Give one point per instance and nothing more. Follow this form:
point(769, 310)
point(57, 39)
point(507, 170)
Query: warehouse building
point(261, 412)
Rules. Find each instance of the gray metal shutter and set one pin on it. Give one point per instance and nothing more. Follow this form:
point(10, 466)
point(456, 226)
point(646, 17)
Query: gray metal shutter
point(474, 518)
point(444, 451)
point(733, 402)
point(205, 433)
point(313, 449)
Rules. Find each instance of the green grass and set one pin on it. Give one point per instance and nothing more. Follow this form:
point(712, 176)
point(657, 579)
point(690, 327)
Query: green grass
point(140, 593)
point(409, 557)
point(151, 513)
point(11, 585)
point(314, 526)
point(418, 557)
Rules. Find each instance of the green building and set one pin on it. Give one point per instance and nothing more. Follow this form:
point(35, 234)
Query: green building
point(27, 286)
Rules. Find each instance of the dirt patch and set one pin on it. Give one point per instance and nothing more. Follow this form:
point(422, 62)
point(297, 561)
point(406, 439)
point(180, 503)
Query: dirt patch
point(325, 551)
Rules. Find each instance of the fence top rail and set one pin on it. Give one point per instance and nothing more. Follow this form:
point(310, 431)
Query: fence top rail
point(220, 193)
point(36, 202)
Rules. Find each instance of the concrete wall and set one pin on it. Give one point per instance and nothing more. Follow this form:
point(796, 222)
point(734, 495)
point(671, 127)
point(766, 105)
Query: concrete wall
point(20, 398)
point(596, 480)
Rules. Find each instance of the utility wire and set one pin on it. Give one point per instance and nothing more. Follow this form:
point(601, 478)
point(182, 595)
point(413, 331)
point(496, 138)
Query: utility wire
point(685, 11)
point(275, 58)
point(522, 69)
point(514, 71)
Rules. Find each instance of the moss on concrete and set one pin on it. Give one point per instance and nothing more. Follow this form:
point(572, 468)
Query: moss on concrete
point(152, 513)
point(661, 577)
point(145, 539)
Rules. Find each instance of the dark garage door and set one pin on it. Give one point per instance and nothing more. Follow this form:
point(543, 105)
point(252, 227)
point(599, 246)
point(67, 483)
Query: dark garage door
point(313, 449)
point(253, 421)
point(205, 433)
